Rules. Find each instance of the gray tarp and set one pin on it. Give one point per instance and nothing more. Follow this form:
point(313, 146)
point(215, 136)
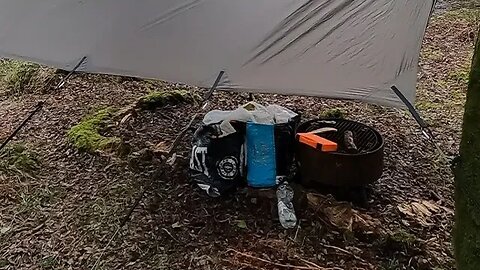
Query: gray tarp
point(331, 48)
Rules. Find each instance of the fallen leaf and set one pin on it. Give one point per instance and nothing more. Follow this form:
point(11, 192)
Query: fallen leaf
point(341, 214)
point(4, 230)
point(176, 225)
point(241, 224)
point(421, 211)
point(125, 118)
point(161, 148)
point(406, 209)
point(432, 206)
point(172, 159)
point(419, 208)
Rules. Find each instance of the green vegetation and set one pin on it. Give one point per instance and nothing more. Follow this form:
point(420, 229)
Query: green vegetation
point(403, 237)
point(470, 15)
point(17, 159)
point(3, 263)
point(460, 75)
point(426, 105)
point(48, 263)
point(32, 200)
point(85, 135)
point(399, 240)
point(432, 53)
point(157, 99)
point(18, 77)
point(334, 113)
point(392, 264)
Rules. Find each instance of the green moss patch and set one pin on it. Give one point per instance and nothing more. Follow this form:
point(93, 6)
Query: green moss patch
point(469, 15)
point(403, 237)
point(18, 159)
point(399, 240)
point(432, 53)
point(17, 77)
point(335, 113)
point(85, 135)
point(427, 105)
point(460, 75)
point(158, 99)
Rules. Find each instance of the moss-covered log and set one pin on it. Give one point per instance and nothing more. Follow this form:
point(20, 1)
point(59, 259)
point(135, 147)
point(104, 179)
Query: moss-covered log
point(467, 177)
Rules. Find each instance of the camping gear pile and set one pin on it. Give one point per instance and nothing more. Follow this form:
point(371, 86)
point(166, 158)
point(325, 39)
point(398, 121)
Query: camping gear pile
point(266, 147)
point(291, 47)
point(252, 144)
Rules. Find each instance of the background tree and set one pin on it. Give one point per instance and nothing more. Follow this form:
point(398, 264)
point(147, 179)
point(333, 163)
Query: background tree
point(467, 176)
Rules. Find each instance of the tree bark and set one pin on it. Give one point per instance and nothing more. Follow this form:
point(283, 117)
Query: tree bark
point(467, 177)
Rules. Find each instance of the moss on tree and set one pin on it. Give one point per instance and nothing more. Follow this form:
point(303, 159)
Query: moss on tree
point(85, 135)
point(467, 177)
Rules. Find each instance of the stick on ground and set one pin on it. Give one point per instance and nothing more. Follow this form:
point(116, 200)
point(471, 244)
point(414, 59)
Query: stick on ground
point(282, 265)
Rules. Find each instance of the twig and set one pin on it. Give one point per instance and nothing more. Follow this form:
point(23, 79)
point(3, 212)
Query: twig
point(105, 248)
point(343, 251)
point(191, 261)
point(310, 263)
point(249, 266)
point(282, 265)
point(38, 228)
point(170, 235)
point(166, 116)
point(296, 233)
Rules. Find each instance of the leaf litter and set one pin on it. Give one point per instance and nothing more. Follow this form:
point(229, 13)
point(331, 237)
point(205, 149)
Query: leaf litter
point(65, 215)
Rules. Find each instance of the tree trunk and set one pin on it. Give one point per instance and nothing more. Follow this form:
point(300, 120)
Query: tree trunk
point(467, 177)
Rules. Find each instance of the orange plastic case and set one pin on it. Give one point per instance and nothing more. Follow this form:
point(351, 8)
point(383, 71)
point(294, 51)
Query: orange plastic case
point(317, 142)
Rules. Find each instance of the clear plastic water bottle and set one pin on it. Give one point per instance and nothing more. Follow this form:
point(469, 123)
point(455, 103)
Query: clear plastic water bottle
point(286, 212)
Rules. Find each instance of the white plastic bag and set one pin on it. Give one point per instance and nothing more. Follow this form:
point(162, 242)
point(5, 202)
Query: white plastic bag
point(259, 113)
point(224, 118)
point(250, 112)
point(281, 115)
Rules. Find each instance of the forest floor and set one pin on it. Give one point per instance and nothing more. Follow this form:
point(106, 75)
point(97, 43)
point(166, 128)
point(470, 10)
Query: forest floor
point(60, 207)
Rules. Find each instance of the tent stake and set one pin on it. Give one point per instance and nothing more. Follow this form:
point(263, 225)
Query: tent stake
point(40, 104)
point(423, 125)
point(173, 147)
point(159, 173)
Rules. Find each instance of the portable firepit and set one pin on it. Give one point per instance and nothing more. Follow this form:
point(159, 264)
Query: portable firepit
point(342, 168)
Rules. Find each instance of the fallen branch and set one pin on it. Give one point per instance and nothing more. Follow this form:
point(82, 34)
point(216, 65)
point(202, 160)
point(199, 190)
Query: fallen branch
point(343, 251)
point(283, 265)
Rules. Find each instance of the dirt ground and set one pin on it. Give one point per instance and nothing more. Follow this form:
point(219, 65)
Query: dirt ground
point(65, 214)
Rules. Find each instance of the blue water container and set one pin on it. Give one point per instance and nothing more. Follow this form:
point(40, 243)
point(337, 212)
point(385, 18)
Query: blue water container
point(261, 157)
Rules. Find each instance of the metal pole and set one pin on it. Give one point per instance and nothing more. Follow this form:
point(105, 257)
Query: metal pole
point(40, 104)
point(160, 172)
point(172, 149)
point(410, 107)
point(427, 132)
